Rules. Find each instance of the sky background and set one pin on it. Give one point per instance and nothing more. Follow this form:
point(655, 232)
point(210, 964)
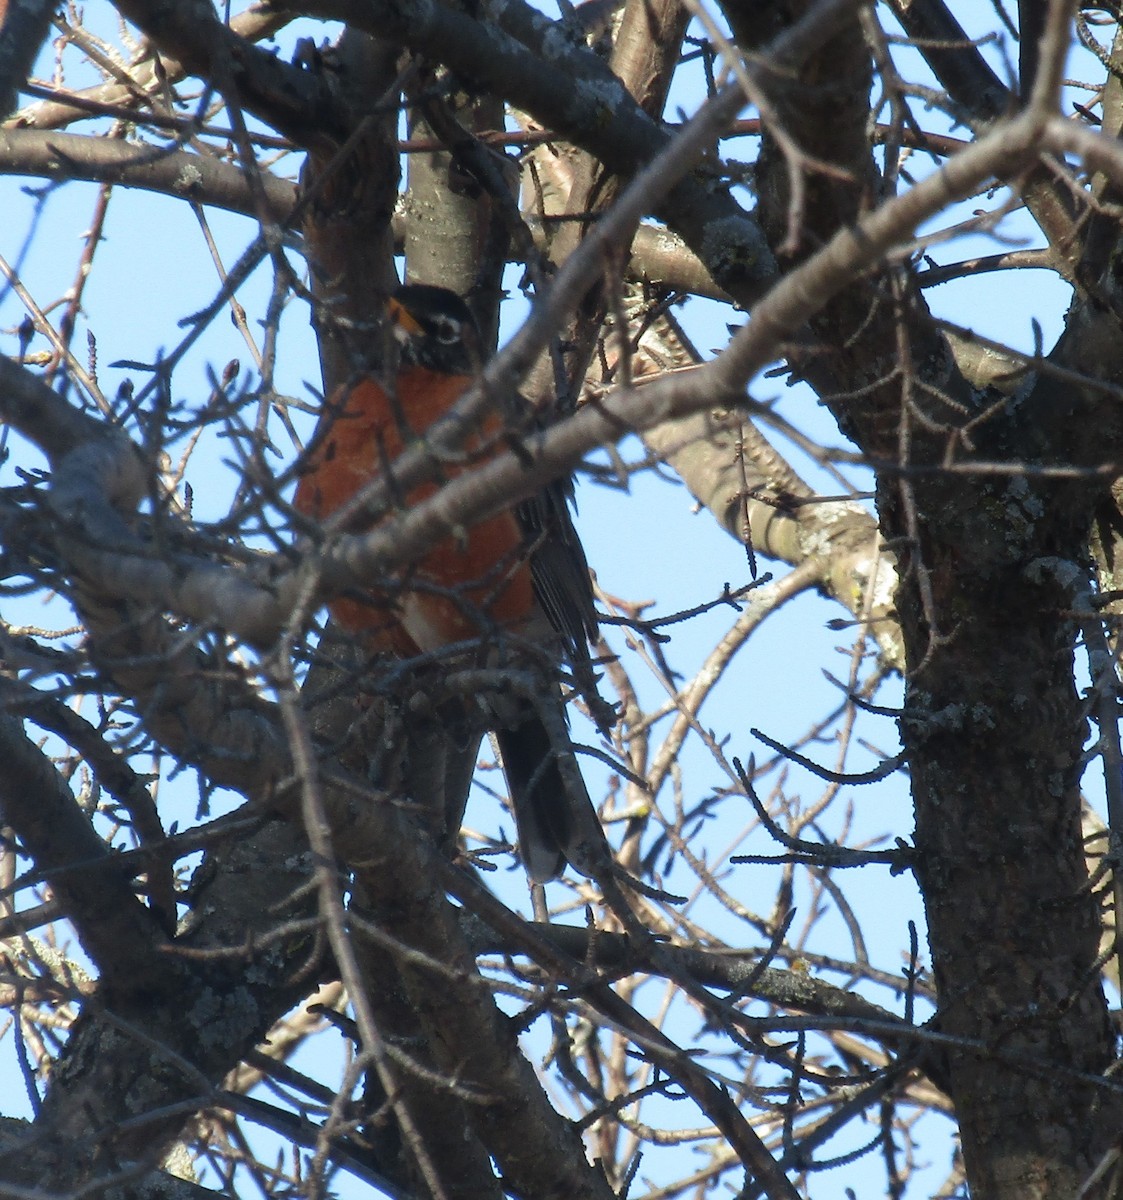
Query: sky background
point(648, 542)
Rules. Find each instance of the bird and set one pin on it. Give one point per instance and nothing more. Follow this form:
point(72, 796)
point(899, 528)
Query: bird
point(521, 573)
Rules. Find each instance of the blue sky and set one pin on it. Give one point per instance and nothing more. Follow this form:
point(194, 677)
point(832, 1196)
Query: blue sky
point(152, 270)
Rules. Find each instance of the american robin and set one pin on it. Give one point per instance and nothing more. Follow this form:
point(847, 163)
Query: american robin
point(521, 574)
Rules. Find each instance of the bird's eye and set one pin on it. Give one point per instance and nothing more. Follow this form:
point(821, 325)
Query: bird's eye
point(446, 330)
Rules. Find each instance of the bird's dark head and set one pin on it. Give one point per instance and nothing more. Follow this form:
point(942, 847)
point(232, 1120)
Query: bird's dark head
point(435, 329)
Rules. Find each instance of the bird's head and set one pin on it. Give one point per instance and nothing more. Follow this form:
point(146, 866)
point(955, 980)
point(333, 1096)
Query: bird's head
point(434, 328)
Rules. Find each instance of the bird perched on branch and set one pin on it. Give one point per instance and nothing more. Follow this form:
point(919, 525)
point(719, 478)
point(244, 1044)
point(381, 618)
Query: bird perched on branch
point(519, 577)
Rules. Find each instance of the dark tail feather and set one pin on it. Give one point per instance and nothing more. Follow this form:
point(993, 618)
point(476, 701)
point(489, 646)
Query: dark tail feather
point(543, 807)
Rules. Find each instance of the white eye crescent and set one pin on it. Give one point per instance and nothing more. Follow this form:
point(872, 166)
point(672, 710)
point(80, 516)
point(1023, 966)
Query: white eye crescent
point(446, 330)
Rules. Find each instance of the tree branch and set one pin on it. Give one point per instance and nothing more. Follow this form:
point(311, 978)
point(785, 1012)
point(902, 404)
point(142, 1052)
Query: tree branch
point(295, 102)
point(115, 929)
point(170, 171)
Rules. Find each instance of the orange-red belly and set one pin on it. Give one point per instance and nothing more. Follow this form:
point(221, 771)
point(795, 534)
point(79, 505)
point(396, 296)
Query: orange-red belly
point(482, 574)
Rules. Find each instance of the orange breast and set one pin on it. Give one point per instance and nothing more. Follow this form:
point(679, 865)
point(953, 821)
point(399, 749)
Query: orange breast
point(466, 584)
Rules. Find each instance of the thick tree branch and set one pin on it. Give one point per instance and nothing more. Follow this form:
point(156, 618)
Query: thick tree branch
point(115, 929)
point(296, 103)
point(172, 172)
point(114, 1103)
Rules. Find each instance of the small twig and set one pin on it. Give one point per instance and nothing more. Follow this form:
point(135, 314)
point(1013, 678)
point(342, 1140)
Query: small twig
point(881, 771)
point(821, 853)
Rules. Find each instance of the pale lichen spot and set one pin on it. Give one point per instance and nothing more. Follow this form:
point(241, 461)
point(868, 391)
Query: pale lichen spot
point(189, 179)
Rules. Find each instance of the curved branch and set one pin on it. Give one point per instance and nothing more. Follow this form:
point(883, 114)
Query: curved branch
point(725, 968)
point(173, 172)
point(115, 929)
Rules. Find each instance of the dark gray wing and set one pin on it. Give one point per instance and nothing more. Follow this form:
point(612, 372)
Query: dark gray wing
point(563, 587)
